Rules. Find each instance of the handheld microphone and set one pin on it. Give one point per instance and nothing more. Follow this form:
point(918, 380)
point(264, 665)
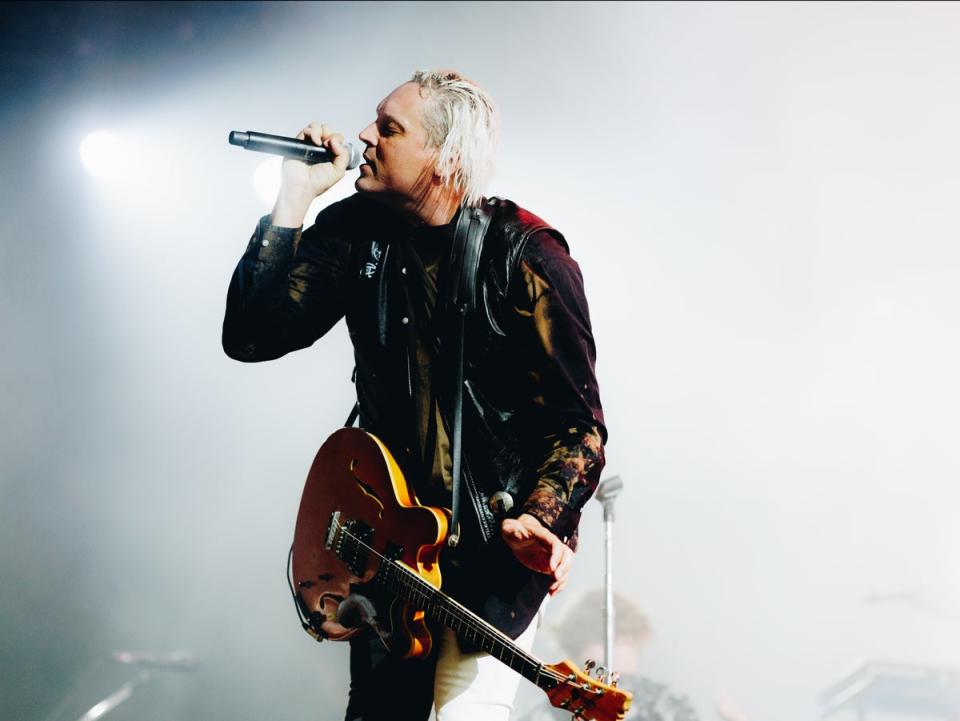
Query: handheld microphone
point(291, 148)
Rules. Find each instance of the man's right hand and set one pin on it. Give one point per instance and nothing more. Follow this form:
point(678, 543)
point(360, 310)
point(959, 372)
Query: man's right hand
point(301, 183)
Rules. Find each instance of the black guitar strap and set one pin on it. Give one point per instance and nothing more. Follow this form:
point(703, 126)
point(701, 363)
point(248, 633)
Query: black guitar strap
point(355, 411)
point(471, 228)
point(468, 238)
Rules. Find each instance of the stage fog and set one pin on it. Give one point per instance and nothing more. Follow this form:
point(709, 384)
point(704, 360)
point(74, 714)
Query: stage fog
point(762, 199)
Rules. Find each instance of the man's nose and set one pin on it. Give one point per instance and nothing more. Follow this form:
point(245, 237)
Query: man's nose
point(368, 135)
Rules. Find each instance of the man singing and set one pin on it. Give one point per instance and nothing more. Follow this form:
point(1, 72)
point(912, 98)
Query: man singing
point(532, 425)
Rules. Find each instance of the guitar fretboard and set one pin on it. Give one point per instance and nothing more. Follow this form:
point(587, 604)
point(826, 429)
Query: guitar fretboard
point(410, 586)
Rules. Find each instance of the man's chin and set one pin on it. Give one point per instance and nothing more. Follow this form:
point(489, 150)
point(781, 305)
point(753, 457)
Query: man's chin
point(364, 184)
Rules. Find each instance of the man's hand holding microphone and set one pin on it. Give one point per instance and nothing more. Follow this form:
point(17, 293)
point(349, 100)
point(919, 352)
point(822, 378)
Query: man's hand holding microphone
point(301, 183)
point(316, 160)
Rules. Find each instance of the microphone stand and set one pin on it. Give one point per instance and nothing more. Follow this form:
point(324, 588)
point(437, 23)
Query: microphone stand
point(607, 491)
point(146, 662)
point(116, 698)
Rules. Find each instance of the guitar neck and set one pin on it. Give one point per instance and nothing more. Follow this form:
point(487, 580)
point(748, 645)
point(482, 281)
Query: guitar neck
point(411, 587)
point(566, 686)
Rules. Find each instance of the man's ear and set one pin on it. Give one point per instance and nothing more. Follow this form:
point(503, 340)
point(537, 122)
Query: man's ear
point(437, 170)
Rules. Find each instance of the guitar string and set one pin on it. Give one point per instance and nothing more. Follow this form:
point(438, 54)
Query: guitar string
point(425, 589)
point(478, 624)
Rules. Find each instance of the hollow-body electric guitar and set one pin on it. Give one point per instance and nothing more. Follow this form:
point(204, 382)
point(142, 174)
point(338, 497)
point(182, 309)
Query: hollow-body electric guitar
point(359, 522)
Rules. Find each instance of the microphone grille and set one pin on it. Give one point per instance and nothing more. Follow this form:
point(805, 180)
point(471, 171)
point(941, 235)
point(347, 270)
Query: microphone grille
point(355, 156)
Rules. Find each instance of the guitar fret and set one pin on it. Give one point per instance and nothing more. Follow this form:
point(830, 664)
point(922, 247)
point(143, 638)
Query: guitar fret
point(411, 587)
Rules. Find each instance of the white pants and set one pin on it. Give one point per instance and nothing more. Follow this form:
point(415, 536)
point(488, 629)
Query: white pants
point(476, 686)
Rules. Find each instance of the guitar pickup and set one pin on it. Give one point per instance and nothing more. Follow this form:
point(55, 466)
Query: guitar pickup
point(332, 529)
point(350, 541)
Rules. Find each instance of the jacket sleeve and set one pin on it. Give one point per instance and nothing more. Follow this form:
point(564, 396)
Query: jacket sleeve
point(554, 324)
point(288, 290)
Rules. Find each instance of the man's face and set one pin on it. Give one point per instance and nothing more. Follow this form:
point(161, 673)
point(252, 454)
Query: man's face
point(399, 164)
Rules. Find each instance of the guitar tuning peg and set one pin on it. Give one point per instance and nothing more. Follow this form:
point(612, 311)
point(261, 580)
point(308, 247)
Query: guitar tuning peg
point(614, 677)
point(601, 674)
point(589, 665)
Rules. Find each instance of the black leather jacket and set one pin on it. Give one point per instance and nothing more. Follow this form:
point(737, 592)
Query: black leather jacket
point(532, 421)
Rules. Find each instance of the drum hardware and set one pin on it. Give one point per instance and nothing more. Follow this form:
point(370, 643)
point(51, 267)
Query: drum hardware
point(886, 689)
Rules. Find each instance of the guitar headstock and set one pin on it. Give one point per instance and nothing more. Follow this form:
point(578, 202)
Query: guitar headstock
point(585, 697)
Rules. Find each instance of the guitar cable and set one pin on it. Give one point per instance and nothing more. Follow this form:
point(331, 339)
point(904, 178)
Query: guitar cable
point(307, 626)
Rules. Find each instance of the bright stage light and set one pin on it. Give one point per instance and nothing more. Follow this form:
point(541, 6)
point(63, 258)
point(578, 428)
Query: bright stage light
point(106, 155)
point(266, 180)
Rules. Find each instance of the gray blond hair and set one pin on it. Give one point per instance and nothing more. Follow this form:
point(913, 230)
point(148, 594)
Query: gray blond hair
point(462, 123)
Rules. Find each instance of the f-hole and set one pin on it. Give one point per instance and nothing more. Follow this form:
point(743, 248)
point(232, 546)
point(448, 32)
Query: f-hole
point(365, 487)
